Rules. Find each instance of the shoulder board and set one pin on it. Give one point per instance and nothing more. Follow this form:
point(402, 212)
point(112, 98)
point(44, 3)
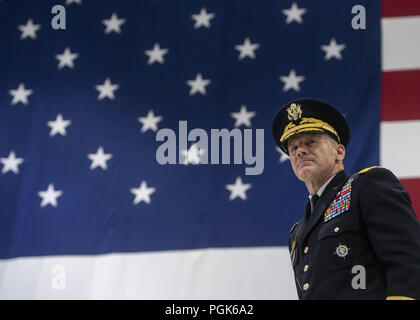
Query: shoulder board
point(294, 226)
point(367, 169)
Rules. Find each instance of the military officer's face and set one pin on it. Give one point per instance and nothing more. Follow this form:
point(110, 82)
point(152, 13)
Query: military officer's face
point(313, 155)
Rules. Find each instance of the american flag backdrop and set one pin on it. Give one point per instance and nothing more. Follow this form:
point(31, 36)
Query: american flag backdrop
point(87, 211)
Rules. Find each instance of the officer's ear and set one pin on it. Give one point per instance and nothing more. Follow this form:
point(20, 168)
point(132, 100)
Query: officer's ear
point(341, 152)
point(339, 148)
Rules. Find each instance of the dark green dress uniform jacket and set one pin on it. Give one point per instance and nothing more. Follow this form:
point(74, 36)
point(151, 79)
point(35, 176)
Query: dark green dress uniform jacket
point(362, 241)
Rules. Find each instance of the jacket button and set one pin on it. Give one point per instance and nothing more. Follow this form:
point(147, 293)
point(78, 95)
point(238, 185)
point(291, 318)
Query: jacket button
point(336, 229)
point(305, 268)
point(305, 250)
point(306, 286)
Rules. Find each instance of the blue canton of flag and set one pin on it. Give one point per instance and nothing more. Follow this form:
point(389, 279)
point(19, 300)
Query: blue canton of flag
point(80, 108)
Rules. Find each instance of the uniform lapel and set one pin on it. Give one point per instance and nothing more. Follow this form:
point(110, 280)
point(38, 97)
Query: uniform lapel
point(324, 201)
point(302, 225)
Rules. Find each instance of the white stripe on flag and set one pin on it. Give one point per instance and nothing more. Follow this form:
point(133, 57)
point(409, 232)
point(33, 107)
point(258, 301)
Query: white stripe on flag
point(400, 147)
point(400, 43)
point(234, 273)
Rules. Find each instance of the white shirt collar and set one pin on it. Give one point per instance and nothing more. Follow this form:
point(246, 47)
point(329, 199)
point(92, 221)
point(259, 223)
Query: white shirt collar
point(321, 190)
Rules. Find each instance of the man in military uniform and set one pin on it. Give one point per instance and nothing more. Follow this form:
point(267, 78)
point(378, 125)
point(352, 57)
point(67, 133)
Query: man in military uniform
point(359, 237)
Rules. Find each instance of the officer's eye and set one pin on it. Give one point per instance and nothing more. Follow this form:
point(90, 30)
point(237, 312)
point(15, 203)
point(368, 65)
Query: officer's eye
point(311, 142)
point(292, 149)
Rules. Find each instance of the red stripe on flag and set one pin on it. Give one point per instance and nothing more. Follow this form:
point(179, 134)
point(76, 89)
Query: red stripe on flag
point(395, 8)
point(400, 95)
point(413, 188)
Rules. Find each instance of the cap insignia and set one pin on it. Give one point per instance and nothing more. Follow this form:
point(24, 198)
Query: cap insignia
point(294, 112)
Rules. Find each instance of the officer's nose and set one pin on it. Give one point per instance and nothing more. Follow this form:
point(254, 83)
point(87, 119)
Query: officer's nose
point(301, 151)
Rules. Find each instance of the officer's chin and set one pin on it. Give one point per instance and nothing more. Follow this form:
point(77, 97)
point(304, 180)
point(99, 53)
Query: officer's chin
point(304, 172)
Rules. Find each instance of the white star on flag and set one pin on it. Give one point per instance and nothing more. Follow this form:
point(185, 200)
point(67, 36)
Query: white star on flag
point(333, 50)
point(198, 84)
point(69, 2)
point(202, 19)
point(283, 157)
point(150, 121)
point(247, 49)
point(49, 196)
point(292, 81)
point(238, 189)
point(294, 14)
point(142, 193)
point(11, 163)
point(107, 89)
point(29, 30)
point(193, 154)
point(58, 125)
point(113, 24)
point(20, 94)
point(99, 159)
point(156, 54)
point(243, 117)
point(66, 59)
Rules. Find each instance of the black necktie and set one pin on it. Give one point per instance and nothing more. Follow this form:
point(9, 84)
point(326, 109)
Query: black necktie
point(314, 199)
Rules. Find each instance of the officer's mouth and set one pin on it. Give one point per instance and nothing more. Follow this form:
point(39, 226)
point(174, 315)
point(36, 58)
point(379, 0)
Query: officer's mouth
point(304, 163)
